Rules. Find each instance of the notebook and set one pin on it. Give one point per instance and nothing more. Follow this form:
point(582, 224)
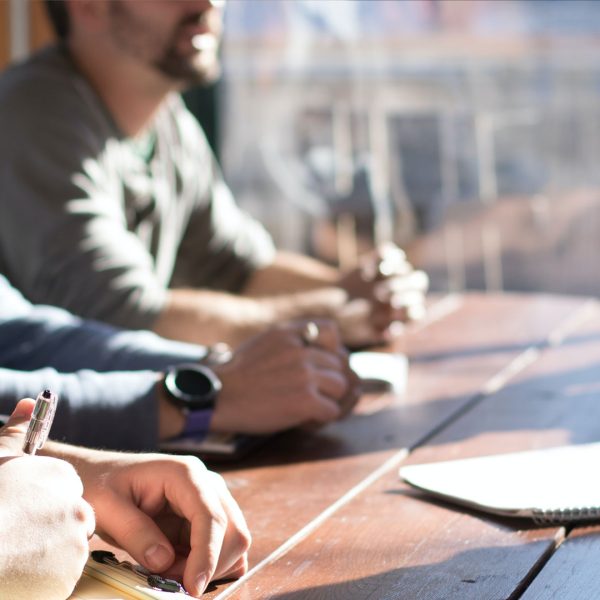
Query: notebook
point(555, 485)
point(114, 582)
point(379, 372)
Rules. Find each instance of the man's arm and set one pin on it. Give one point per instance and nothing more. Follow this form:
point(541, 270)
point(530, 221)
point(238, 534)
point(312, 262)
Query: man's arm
point(364, 302)
point(108, 410)
point(191, 315)
point(33, 337)
point(273, 382)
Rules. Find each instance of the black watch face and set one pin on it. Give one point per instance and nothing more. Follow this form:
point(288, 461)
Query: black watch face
point(188, 382)
point(193, 386)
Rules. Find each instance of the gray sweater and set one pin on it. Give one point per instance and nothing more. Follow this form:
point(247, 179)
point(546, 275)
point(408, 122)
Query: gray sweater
point(105, 378)
point(95, 223)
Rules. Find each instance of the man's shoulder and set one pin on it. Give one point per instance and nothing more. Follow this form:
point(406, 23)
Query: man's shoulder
point(49, 66)
point(45, 84)
point(44, 97)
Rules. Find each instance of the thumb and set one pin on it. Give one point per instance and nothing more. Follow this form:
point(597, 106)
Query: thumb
point(135, 532)
point(12, 435)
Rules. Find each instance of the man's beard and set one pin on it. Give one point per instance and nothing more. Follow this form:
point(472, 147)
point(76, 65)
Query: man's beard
point(188, 70)
point(134, 38)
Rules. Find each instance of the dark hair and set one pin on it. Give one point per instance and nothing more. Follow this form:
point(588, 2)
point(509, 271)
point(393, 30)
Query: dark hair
point(59, 17)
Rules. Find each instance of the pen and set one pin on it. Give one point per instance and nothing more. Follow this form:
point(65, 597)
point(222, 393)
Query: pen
point(40, 422)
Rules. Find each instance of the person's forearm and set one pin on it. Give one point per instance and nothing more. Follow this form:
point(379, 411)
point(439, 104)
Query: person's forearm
point(210, 317)
point(291, 272)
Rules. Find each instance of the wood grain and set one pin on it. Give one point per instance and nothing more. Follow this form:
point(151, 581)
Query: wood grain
point(572, 573)
point(293, 480)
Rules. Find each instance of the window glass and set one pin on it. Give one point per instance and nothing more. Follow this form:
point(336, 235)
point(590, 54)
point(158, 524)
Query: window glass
point(468, 132)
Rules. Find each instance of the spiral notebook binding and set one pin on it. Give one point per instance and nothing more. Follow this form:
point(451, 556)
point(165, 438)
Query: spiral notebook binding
point(565, 515)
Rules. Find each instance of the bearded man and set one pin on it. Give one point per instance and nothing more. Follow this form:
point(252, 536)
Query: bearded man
point(114, 207)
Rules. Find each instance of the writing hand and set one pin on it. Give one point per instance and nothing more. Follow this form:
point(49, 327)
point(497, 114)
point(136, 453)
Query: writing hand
point(169, 513)
point(44, 521)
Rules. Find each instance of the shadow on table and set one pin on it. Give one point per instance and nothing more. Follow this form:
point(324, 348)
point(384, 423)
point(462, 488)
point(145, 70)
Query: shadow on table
point(387, 430)
point(567, 400)
point(500, 572)
point(515, 523)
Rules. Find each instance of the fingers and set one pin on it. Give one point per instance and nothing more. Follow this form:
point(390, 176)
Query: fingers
point(416, 281)
point(237, 570)
point(85, 514)
point(135, 532)
point(219, 537)
point(322, 359)
point(326, 334)
point(387, 261)
point(329, 369)
point(12, 435)
point(322, 410)
point(332, 382)
point(352, 396)
point(228, 565)
point(399, 299)
point(206, 541)
point(402, 308)
point(332, 379)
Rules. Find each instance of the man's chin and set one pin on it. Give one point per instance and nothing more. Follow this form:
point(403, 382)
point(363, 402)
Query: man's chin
point(197, 72)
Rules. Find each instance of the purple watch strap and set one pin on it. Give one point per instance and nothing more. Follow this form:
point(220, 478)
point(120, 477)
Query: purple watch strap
point(197, 421)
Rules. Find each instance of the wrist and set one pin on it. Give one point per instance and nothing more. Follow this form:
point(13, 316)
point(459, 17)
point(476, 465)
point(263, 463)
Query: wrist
point(187, 396)
point(171, 419)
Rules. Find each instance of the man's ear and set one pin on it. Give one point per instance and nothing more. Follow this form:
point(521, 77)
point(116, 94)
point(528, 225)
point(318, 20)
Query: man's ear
point(88, 15)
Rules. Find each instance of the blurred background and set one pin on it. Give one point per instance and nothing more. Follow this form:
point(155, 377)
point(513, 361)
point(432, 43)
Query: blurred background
point(467, 131)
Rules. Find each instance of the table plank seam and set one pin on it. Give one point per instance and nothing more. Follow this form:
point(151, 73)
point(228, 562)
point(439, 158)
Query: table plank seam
point(539, 565)
point(390, 464)
point(522, 361)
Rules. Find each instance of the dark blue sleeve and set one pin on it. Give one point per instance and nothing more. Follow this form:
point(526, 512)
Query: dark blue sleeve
point(103, 410)
point(45, 336)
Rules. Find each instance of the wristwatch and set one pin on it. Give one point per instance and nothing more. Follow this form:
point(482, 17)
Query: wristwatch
point(192, 387)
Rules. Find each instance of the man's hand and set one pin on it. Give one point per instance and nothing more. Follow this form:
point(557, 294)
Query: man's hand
point(169, 513)
point(44, 522)
point(384, 289)
point(276, 381)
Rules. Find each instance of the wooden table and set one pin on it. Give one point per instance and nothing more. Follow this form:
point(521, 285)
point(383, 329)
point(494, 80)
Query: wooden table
point(489, 373)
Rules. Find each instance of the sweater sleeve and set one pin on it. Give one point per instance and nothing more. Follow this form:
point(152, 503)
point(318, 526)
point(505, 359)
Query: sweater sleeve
point(50, 337)
point(115, 410)
point(33, 337)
